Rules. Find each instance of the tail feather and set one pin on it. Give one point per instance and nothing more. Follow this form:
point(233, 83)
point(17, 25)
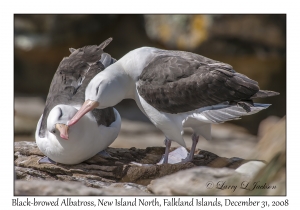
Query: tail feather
point(264, 94)
point(232, 112)
point(107, 60)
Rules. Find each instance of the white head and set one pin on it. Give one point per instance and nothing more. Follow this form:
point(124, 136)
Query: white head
point(58, 118)
point(106, 89)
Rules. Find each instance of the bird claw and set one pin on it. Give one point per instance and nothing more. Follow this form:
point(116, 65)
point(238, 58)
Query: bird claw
point(104, 154)
point(47, 160)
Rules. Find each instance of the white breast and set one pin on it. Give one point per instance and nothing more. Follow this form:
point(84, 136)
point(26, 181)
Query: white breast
point(86, 139)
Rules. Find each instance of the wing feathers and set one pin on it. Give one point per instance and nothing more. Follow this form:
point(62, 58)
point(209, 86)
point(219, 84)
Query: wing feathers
point(178, 82)
point(264, 94)
point(71, 79)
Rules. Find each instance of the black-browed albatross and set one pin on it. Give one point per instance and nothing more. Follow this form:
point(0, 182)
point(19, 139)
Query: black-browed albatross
point(175, 89)
point(96, 131)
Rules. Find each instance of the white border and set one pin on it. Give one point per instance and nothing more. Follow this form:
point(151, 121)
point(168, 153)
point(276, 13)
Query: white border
point(153, 7)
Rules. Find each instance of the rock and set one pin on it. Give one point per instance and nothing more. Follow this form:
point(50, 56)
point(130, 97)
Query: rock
point(113, 170)
point(27, 113)
point(60, 188)
point(266, 124)
point(130, 127)
point(229, 132)
point(185, 32)
point(31, 107)
point(273, 142)
point(197, 181)
point(39, 187)
point(251, 168)
point(255, 29)
point(272, 148)
point(227, 139)
point(274, 175)
point(212, 181)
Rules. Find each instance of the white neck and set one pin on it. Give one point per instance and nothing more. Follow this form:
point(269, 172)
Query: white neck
point(110, 86)
point(135, 61)
point(118, 81)
point(121, 77)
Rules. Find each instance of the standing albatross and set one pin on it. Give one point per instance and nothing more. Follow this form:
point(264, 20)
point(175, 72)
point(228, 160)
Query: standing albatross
point(96, 131)
point(175, 89)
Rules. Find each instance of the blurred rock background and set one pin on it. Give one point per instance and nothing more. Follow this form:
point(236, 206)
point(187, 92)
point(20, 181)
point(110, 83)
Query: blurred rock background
point(254, 45)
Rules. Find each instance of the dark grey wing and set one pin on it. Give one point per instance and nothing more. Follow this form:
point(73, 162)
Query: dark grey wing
point(175, 83)
point(90, 53)
point(64, 86)
point(68, 87)
point(188, 56)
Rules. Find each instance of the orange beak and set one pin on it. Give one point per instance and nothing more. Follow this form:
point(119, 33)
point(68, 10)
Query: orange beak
point(87, 106)
point(63, 130)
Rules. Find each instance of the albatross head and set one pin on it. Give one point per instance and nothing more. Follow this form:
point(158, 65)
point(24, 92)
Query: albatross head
point(58, 118)
point(106, 89)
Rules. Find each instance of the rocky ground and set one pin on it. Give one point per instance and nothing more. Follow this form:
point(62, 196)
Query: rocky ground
point(233, 163)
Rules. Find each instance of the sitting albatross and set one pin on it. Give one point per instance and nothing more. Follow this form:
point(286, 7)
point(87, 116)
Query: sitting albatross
point(96, 131)
point(175, 89)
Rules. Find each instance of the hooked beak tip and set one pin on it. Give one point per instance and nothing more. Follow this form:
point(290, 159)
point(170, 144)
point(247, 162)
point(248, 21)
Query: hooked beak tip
point(63, 130)
point(65, 137)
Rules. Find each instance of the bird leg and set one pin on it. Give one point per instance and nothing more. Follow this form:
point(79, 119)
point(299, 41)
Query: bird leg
point(195, 139)
point(167, 151)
